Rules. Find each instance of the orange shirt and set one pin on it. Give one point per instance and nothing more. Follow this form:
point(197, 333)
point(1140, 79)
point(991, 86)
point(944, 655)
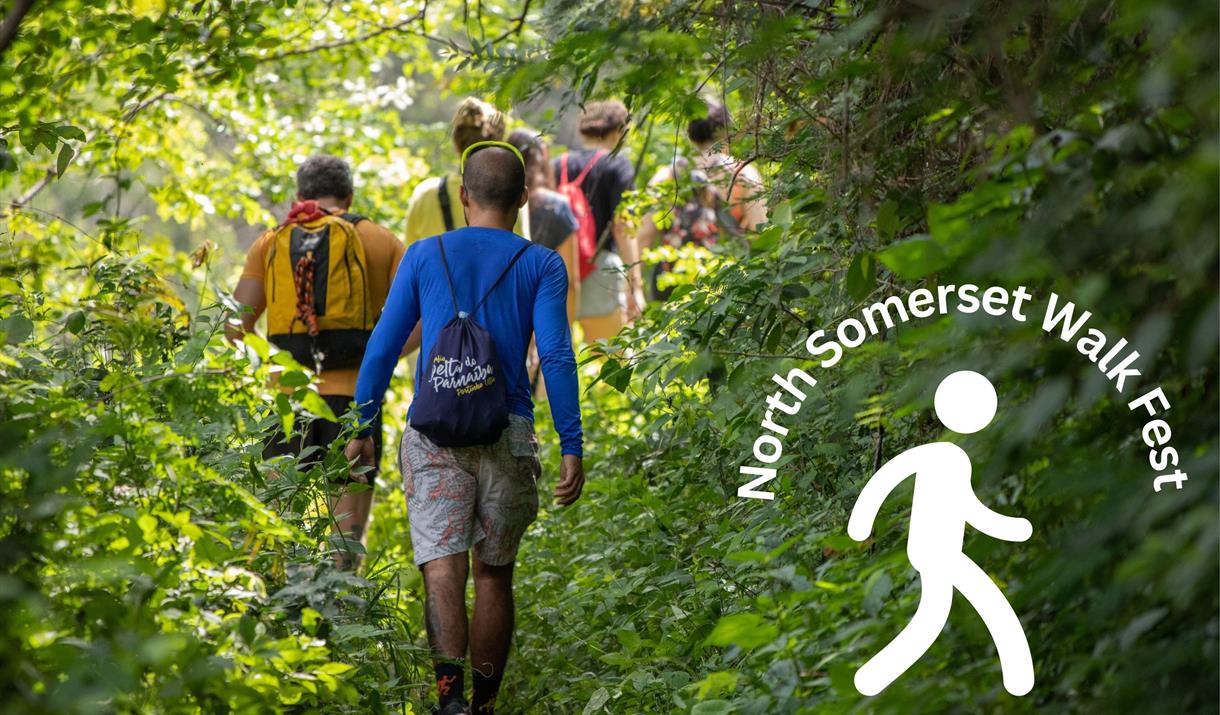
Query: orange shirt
point(382, 252)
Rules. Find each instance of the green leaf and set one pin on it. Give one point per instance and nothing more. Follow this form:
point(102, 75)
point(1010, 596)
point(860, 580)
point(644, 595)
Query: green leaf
point(315, 405)
point(65, 157)
point(616, 375)
point(887, 220)
point(148, 525)
point(879, 586)
point(914, 257)
point(246, 629)
point(294, 378)
point(67, 131)
point(596, 701)
point(257, 344)
point(629, 639)
point(861, 276)
point(353, 631)
point(75, 322)
point(17, 328)
point(310, 619)
point(744, 630)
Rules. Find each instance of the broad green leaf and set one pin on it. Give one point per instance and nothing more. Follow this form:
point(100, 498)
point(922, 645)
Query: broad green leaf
point(596, 701)
point(75, 322)
point(17, 328)
point(914, 257)
point(294, 378)
point(887, 220)
point(315, 405)
point(861, 275)
point(744, 630)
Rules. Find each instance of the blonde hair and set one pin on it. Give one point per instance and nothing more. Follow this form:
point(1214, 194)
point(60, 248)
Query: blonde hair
point(476, 121)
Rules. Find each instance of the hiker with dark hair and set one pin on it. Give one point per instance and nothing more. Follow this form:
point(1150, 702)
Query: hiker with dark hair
point(469, 456)
point(435, 205)
point(716, 196)
point(594, 179)
point(322, 277)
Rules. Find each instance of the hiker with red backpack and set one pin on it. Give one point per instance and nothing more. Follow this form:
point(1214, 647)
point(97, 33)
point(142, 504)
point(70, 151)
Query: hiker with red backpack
point(322, 277)
point(715, 196)
point(594, 179)
point(552, 222)
point(469, 455)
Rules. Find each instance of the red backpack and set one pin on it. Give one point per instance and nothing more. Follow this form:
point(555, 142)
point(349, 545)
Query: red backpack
point(586, 231)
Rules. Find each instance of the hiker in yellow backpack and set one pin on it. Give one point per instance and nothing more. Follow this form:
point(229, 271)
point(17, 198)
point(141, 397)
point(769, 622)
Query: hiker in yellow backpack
point(322, 277)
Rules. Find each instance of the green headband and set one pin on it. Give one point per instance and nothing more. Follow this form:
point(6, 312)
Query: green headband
point(479, 145)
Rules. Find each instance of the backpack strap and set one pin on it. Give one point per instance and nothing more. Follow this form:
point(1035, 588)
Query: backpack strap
point(457, 312)
point(597, 156)
point(440, 243)
point(563, 169)
point(442, 195)
point(503, 273)
point(353, 219)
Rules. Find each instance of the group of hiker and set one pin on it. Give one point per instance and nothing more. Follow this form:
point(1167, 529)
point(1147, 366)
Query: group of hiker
point(500, 259)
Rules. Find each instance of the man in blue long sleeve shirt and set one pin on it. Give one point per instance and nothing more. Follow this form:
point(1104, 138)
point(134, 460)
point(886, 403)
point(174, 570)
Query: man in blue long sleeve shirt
point(478, 499)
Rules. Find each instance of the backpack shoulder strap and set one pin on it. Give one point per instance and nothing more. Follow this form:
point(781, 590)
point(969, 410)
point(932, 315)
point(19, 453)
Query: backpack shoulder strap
point(503, 273)
point(442, 195)
point(597, 156)
point(440, 244)
point(351, 218)
point(563, 169)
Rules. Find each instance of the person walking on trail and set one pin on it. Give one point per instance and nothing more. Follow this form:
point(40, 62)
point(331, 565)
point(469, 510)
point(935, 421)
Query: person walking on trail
point(322, 277)
point(714, 196)
point(595, 178)
point(431, 210)
point(469, 456)
point(552, 223)
point(944, 503)
point(435, 205)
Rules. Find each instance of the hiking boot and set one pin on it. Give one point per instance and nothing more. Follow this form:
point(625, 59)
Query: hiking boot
point(455, 707)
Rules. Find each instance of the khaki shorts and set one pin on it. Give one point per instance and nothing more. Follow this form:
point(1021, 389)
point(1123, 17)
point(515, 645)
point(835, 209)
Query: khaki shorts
point(459, 498)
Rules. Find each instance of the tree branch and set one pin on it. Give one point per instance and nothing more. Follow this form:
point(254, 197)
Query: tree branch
point(518, 24)
point(8, 28)
point(400, 26)
point(23, 200)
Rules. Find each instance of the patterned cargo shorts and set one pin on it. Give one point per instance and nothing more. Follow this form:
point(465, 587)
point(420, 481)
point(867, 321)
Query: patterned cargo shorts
point(460, 498)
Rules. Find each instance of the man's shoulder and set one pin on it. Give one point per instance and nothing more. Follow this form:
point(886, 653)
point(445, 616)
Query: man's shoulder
point(416, 248)
point(370, 230)
point(615, 165)
point(379, 241)
point(547, 259)
point(264, 238)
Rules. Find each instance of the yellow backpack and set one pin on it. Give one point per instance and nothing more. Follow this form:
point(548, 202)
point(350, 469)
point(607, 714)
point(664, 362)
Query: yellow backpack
point(317, 292)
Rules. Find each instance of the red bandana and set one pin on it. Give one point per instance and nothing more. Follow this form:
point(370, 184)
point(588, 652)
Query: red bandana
point(304, 212)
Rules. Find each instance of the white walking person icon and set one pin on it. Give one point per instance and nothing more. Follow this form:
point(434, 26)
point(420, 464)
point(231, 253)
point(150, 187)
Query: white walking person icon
point(943, 503)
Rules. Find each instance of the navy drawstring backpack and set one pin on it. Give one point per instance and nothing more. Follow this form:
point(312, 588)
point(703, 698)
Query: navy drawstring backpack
point(460, 401)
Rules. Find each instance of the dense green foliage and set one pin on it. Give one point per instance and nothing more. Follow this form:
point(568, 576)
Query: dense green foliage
point(152, 565)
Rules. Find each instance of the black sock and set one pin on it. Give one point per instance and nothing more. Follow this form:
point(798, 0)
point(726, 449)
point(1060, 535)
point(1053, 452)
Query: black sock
point(449, 685)
point(485, 689)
